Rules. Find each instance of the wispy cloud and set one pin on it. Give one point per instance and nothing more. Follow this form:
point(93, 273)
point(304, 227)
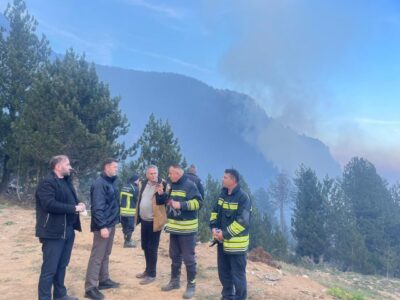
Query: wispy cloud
point(369, 121)
point(100, 50)
point(174, 60)
point(165, 10)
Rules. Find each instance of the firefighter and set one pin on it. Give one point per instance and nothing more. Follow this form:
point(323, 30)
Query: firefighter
point(128, 199)
point(229, 222)
point(183, 202)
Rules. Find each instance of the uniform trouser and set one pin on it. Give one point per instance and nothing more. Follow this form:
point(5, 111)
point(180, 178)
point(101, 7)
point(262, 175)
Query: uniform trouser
point(56, 256)
point(182, 247)
point(128, 224)
point(232, 274)
point(150, 241)
point(99, 259)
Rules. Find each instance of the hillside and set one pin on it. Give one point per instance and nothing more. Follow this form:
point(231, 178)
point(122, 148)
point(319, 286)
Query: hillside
point(20, 259)
point(216, 128)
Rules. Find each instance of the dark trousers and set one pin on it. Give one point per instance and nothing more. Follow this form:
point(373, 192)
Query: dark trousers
point(99, 259)
point(182, 247)
point(128, 224)
point(232, 274)
point(150, 242)
point(56, 256)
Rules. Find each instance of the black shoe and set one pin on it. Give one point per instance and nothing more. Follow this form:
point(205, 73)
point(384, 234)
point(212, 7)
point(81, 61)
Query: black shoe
point(94, 294)
point(108, 284)
point(141, 275)
point(190, 291)
point(147, 280)
point(66, 297)
point(171, 285)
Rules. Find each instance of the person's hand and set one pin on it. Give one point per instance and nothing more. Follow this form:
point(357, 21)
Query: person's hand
point(174, 204)
point(160, 189)
point(219, 235)
point(104, 233)
point(80, 207)
point(214, 233)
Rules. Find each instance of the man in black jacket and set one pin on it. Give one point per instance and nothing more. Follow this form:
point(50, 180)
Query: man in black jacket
point(105, 215)
point(57, 215)
point(192, 175)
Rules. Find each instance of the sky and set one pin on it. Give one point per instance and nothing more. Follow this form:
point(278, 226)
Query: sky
point(328, 69)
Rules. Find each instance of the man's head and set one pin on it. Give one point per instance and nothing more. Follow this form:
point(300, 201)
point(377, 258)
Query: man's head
point(175, 172)
point(152, 173)
point(134, 178)
point(60, 165)
point(230, 179)
point(192, 169)
point(110, 167)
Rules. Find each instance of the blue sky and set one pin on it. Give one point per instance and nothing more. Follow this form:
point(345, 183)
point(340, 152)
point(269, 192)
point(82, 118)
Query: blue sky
point(329, 69)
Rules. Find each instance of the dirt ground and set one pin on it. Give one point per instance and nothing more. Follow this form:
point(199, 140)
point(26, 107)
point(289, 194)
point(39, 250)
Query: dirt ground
point(20, 261)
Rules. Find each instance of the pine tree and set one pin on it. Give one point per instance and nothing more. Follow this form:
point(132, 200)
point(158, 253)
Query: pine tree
point(68, 111)
point(308, 216)
point(371, 205)
point(157, 146)
point(280, 191)
point(212, 189)
point(23, 55)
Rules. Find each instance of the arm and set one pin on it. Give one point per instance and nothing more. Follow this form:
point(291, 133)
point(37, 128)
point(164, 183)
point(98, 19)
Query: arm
point(46, 194)
point(98, 204)
point(242, 219)
point(195, 201)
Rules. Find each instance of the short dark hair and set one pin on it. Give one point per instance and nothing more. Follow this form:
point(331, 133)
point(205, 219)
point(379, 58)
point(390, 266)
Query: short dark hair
point(55, 160)
point(234, 173)
point(108, 161)
point(176, 166)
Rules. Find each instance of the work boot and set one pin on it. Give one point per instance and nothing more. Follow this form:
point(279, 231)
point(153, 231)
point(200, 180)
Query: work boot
point(129, 243)
point(147, 280)
point(108, 284)
point(94, 294)
point(190, 290)
point(142, 275)
point(173, 284)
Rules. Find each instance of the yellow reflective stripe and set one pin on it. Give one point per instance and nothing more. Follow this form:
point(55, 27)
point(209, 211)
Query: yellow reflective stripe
point(214, 216)
point(235, 228)
point(178, 193)
point(220, 201)
point(182, 226)
point(128, 211)
point(193, 204)
point(231, 206)
point(237, 243)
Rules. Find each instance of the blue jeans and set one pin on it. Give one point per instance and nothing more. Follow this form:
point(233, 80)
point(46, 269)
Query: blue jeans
point(56, 255)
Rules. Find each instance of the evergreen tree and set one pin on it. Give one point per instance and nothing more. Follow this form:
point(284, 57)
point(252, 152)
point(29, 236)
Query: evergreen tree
point(280, 191)
point(157, 146)
point(212, 189)
point(69, 111)
point(264, 204)
point(371, 205)
point(346, 247)
point(23, 55)
point(308, 217)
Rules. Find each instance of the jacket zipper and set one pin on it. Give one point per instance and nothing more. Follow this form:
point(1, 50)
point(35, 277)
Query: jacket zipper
point(65, 226)
point(47, 219)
